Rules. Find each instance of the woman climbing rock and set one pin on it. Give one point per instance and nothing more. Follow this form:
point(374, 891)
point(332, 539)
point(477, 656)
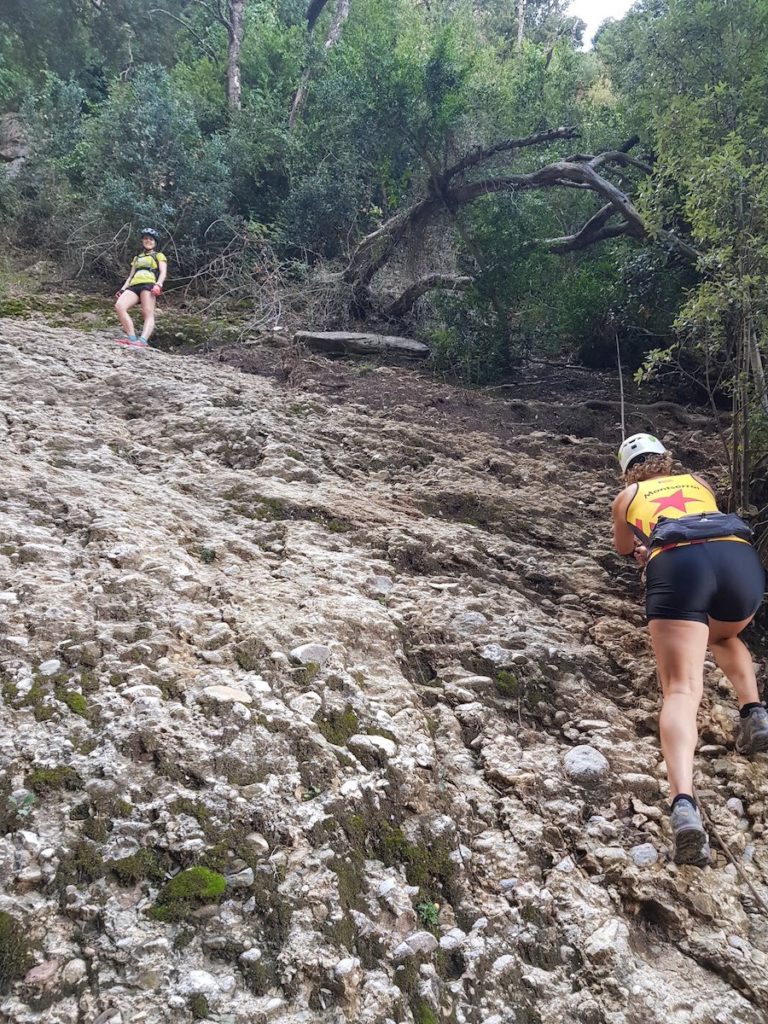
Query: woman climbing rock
point(143, 285)
point(704, 583)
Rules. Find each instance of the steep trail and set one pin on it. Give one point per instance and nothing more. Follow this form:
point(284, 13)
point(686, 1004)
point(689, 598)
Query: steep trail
point(169, 527)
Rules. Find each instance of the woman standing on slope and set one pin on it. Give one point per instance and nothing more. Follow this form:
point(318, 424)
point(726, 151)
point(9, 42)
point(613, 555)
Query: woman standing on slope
point(704, 583)
point(143, 284)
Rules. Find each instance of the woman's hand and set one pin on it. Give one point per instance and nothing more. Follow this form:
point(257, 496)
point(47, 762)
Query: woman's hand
point(640, 554)
point(157, 290)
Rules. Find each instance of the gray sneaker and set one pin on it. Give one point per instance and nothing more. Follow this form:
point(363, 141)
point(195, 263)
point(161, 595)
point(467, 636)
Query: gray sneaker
point(691, 843)
point(752, 732)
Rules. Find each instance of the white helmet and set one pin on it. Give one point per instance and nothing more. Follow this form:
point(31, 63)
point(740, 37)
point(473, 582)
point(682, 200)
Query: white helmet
point(639, 444)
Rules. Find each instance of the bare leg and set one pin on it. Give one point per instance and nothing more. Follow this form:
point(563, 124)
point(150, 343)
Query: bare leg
point(679, 647)
point(733, 658)
point(148, 310)
point(123, 304)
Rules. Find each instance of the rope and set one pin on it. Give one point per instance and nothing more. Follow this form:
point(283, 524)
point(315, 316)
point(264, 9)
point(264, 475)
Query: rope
point(621, 383)
point(727, 851)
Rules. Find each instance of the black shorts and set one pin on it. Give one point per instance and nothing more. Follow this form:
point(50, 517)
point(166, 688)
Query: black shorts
point(139, 288)
point(723, 579)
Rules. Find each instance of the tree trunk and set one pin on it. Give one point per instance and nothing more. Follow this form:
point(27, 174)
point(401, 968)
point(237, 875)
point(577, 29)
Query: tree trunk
point(235, 30)
point(334, 34)
point(520, 23)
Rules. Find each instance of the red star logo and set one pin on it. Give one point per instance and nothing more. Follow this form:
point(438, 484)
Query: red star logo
point(677, 500)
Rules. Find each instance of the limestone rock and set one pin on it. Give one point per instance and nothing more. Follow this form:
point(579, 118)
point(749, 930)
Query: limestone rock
point(586, 766)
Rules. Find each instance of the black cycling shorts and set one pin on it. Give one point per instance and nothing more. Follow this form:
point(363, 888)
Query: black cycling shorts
point(139, 288)
point(721, 579)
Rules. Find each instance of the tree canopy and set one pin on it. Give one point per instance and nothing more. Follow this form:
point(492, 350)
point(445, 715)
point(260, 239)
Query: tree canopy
point(458, 167)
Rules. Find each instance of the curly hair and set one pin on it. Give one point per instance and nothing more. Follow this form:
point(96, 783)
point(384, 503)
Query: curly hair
point(654, 465)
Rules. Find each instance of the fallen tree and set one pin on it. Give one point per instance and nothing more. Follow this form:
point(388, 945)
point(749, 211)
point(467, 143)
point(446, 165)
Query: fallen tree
point(460, 184)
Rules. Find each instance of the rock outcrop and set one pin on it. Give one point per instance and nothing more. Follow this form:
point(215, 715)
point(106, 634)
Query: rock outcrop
point(312, 713)
point(14, 145)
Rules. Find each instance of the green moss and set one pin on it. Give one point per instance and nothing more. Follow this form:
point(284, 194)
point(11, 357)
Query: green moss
point(9, 690)
point(35, 698)
point(249, 653)
point(194, 808)
point(423, 1013)
point(207, 555)
point(199, 1006)
point(507, 683)
point(145, 864)
point(259, 977)
point(306, 673)
point(187, 891)
point(48, 780)
point(75, 701)
point(96, 829)
point(427, 864)
point(338, 726)
point(83, 864)
point(15, 951)
point(89, 681)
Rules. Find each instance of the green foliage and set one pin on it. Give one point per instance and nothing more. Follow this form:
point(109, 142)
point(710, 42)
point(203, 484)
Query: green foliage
point(187, 891)
point(429, 914)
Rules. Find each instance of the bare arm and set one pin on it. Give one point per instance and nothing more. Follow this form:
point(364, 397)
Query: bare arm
point(624, 539)
point(163, 272)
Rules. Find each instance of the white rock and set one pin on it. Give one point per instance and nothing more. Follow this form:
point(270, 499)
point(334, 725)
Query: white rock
point(251, 956)
point(644, 855)
point(199, 983)
point(258, 843)
point(241, 879)
point(586, 766)
point(49, 668)
point(346, 966)
point(226, 695)
point(735, 806)
point(309, 654)
point(74, 972)
point(611, 854)
point(469, 622)
point(8, 597)
point(608, 941)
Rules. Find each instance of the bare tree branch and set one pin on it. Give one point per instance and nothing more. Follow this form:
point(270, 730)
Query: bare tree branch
point(480, 155)
point(192, 31)
point(405, 302)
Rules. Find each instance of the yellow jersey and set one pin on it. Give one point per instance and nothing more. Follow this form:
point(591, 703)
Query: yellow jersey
point(672, 497)
point(146, 267)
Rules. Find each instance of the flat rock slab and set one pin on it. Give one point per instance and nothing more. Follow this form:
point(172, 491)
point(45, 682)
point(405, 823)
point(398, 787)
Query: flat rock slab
point(362, 344)
point(226, 695)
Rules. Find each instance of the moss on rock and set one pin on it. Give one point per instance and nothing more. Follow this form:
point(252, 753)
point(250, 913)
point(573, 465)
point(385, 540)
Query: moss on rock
point(186, 892)
point(15, 951)
point(338, 726)
point(48, 780)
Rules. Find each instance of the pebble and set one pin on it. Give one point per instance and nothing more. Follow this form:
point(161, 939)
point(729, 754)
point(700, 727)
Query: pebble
point(644, 855)
point(735, 806)
point(241, 880)
point(586, 766)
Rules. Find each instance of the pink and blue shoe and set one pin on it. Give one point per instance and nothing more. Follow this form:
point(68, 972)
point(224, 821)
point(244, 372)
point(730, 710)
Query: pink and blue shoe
point(133, 342)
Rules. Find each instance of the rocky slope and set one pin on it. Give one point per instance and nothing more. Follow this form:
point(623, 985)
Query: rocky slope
point(318, 712)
